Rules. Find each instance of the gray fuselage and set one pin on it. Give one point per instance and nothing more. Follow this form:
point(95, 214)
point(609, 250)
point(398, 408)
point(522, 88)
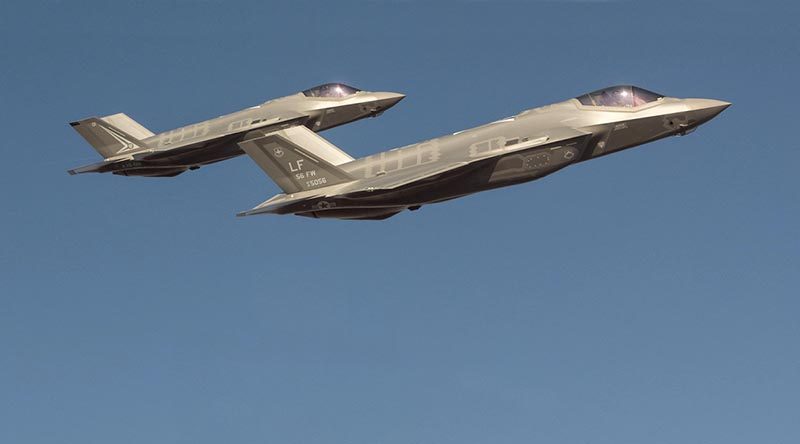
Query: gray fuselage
point(494, 155)
point(131, 150)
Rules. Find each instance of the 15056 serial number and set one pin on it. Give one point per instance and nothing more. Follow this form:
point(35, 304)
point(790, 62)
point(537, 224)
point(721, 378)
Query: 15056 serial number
point(316, 182)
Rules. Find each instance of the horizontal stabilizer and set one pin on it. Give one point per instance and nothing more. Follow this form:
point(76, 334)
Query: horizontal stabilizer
point(93, 168)
point(276, 203)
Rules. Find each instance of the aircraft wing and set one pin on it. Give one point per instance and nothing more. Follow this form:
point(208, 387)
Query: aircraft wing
point(554, 138)
point(287, 202)
point(286, 119)
point(400, 178)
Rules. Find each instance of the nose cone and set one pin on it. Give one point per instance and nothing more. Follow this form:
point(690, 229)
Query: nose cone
point(378, 102)
point(387, 100)
point(703, 110)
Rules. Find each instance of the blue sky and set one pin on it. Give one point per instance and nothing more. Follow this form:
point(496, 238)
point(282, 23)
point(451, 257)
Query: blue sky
point(649, 296)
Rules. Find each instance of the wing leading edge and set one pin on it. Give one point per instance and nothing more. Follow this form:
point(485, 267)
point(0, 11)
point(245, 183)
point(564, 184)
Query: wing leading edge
point(351, 187)
point(556, 137)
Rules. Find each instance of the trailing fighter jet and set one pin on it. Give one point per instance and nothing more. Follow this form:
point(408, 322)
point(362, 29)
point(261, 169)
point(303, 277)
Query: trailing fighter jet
point(319, 180)
point(130, 149)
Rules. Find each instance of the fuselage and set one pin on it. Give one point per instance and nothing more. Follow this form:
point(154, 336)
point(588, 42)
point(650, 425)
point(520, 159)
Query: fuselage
point(612, 131)
point(317, 113)
point(609, 129)
point(214, 140)
point(189, 147)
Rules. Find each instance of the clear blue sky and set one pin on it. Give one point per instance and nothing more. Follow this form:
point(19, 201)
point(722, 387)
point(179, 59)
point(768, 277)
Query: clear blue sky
point(646, 297)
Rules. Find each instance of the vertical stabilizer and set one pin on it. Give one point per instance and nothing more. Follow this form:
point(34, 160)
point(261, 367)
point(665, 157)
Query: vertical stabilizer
point(297, 159)
point(112, 135)
point(130, 126)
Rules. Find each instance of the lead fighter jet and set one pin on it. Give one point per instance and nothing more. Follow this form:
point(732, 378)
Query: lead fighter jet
point(131, 150)
point(319, 180)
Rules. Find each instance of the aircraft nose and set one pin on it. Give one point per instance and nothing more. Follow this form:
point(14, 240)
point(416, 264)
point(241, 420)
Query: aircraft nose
point(706, 109)
point(389, 99)
point(381, 101)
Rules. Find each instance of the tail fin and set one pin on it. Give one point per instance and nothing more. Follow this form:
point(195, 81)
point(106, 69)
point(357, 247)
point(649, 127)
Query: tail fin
point(297, 159)
point(112, 135)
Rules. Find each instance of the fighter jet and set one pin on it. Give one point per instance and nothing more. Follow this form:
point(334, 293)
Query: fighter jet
point(319, 180)
point(130, 149)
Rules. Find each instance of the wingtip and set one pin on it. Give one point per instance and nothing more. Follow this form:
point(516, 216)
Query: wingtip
point(74, 123)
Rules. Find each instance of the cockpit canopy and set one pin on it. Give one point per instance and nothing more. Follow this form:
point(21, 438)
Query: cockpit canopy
point(331, 90)
point(622, 96)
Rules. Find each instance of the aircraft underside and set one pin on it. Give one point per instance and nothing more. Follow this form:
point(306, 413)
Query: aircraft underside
point(501, 172)
point(159, 165)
